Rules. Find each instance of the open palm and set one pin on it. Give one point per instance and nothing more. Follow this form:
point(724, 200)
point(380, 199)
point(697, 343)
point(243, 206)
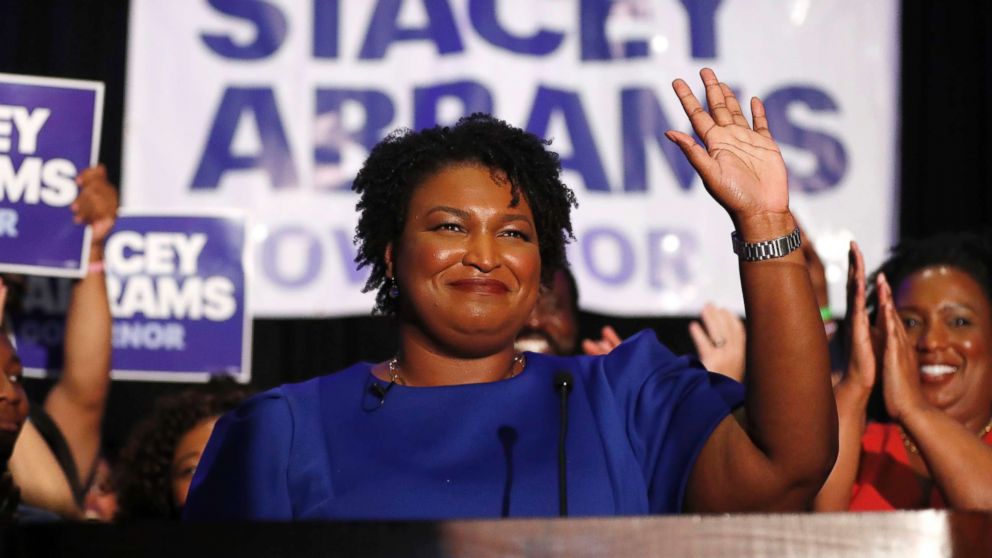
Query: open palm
point(742, 168)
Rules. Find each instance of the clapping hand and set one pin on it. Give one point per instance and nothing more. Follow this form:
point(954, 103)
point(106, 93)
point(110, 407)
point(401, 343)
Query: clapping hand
point(720, 341)
point(742, 168)
point(900, 371)
point(861, 364)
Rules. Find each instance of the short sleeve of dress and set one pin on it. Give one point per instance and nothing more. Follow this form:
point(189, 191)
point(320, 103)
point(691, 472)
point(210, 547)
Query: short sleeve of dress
point(243, 472)
point(670, 405)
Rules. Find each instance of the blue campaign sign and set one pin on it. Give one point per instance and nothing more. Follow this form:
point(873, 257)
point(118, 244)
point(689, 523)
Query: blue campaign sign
point(177, 288)
point(37, 321)
point(49, 132)
point(177, 294)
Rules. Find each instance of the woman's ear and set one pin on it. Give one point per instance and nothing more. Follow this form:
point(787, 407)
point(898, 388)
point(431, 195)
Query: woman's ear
point(388, 257)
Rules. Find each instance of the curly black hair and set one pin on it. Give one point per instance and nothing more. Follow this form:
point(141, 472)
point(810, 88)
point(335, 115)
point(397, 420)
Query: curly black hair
point(967, 251)
point(406, 158)
point(142, 474)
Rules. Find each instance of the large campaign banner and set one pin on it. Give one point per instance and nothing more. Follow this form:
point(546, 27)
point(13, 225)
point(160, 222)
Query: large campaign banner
point(177, 288)
point(271, 106)
point(49, 132)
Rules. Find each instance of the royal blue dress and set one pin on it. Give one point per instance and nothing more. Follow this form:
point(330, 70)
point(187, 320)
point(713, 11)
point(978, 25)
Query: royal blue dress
point(327, 449)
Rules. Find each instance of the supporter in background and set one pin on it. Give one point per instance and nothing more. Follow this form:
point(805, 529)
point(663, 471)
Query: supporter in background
point(719, 335)
point(553, 327)
point(57, 451)
point(152, 474)
point(932, 363)
point(100, 503)
point(13, 413)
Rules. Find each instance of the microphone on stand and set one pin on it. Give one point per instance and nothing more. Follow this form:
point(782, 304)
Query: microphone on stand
point(563, 386)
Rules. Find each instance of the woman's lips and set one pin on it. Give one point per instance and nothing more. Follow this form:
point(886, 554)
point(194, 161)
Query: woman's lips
point(937, 373)
point(480, 286)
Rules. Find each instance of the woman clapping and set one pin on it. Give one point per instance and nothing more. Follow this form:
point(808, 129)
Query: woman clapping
point(933, 364)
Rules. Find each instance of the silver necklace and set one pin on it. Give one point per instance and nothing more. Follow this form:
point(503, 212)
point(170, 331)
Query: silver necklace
point(516, 367)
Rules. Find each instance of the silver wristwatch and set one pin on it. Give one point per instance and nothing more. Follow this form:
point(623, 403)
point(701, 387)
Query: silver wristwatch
point(766, 249)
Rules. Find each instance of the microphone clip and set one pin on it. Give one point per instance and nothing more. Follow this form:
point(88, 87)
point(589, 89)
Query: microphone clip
point(380, 393)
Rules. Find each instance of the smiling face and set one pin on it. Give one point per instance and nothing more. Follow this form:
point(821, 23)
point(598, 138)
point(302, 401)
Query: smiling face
point(13, 401)
point(467, 263)
point(948, 319)
point(552, 327)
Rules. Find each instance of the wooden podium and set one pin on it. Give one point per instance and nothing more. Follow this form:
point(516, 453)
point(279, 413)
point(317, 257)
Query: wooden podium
point(896, 534)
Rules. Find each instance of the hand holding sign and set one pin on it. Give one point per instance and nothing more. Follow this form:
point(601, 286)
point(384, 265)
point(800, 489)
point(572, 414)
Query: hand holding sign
point(49, 129)
point(96, 204)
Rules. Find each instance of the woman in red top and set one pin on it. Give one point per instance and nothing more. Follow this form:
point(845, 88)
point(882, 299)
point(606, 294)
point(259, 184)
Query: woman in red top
point(932, 356)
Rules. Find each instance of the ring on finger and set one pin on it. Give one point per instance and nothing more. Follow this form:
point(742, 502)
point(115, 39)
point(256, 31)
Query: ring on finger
point(719, 342)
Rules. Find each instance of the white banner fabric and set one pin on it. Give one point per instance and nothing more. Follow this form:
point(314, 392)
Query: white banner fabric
point(271, 107)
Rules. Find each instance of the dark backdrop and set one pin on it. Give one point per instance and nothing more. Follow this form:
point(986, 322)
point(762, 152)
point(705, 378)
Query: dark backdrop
point(946, 116)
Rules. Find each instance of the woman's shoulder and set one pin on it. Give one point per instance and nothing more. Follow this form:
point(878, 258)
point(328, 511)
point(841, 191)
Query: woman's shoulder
point(640, 357)
point(303, 397)
point(642, 363)
point(356, 373)
point(642, 345)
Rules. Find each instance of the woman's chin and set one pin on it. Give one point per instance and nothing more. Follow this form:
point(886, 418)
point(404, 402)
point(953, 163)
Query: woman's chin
point(941, 396)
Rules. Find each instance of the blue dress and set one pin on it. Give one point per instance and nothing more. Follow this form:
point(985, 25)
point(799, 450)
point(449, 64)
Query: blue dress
point(327, 449)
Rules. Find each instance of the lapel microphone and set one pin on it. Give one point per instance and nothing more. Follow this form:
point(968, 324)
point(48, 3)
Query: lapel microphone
point(380, 393)
point(563, 386)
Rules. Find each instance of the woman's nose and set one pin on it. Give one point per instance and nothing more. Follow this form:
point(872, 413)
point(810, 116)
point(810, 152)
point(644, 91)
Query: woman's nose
point(481, 253)
point(933, 337)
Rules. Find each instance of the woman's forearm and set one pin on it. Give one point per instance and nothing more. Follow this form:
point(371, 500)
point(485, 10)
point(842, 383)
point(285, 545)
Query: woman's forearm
point(958, 460)
point(852, 402)
point(789, 446)
point(790, 401)
point(77, 401)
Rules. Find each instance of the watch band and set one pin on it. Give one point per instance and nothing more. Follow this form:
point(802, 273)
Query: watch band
point(766, 249)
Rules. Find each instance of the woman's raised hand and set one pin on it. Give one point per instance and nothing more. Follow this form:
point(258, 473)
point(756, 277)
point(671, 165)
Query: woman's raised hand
point(900, 372)
point(97, 202)
point(861, 364)
point(742, 168)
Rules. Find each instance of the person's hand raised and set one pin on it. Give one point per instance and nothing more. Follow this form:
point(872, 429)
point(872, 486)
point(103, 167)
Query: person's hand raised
point(861, 364)
point(901, 385)
point(721, 341)
point(742, 168)
point(609, 340)
point(96, 204)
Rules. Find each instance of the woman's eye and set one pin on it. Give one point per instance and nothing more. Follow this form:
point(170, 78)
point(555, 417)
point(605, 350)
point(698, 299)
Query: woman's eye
point(910, 322)
point(960, 322)
point(516, 234)
point(15, 378)
point(454, 227)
